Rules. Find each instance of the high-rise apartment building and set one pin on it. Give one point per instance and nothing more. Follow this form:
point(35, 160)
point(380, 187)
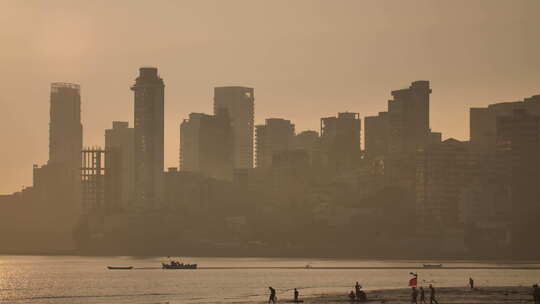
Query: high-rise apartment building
point(483, 131)
point(206, 145)
point(376, 134)
point(274, 136)
point(442, 172)
point(518, 156)
point(240, 103)
point(409, 117)
point(148, 109)
point(340, 139)
point(119, 144)
point(405, 127)
point(65, 128)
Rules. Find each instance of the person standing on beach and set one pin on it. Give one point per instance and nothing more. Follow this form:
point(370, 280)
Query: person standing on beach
point(422, 295)
point(471, 283)
point(414, 295)
point(272, 295)
point(296, 293)
point(432, 295)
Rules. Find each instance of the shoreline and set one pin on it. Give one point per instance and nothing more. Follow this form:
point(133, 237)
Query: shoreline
point(455, 295)
point(443, 259)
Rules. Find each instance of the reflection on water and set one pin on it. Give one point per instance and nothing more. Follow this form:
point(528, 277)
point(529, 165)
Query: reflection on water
point(37, 279)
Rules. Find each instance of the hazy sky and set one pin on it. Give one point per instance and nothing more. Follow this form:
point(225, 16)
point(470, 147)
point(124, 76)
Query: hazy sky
point(306, 60)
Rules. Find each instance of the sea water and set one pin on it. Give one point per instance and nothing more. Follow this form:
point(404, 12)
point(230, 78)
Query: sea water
point(72, 279)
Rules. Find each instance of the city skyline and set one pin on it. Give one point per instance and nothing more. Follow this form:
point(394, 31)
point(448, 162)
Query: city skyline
point(227, 151)
point(360, 68)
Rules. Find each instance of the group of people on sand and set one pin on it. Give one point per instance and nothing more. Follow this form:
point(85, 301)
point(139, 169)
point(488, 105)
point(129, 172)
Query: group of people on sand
point(358, 295)
point(421, 292)
point(273, 297)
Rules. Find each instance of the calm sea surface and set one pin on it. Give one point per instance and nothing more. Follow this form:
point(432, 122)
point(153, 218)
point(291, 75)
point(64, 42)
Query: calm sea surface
point(61, 279)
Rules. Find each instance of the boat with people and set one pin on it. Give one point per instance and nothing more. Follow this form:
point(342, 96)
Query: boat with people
point(119, 267)
point(431, 266)
point(178, 265)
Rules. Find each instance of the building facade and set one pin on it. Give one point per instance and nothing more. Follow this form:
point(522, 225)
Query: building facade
point(120, 147)
point(442, 173)
point(206, 145)
point(483, 121)
point(340, 139)
point(274, 136)
point(240, 104)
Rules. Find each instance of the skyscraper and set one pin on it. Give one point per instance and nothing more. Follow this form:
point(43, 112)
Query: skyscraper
point(65, 128)
point(149, 106)
point(274, 136)
point(240, 103)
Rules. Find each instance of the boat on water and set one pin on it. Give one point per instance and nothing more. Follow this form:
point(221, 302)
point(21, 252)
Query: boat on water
point(119, 267)
point(433, 266)
point(176, 265)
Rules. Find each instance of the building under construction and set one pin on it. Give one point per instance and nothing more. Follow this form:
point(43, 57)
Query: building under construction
point(93, 174)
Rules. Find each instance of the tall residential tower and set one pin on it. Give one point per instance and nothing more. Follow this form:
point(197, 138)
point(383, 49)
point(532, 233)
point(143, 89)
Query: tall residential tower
point(149, 106)
point(65, 128)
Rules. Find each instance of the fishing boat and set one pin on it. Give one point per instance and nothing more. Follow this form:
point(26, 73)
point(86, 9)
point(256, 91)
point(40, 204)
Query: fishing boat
point(176, 265)
point(432, 266)
point(120, 267)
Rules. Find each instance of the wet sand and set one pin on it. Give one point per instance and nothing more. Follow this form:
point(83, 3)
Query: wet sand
point(461, 295)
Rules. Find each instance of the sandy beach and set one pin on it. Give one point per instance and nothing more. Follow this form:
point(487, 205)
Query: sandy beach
point(461, 295)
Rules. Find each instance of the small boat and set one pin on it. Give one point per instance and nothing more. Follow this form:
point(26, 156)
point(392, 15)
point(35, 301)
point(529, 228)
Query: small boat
point(432, 265)
point(120, 267)
point(176, 265)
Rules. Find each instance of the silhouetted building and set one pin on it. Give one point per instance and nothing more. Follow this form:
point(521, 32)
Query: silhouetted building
point(120, 147)
point(483, 131)
point(306, 140)
point(309, 141)
point(240, 103)
point(408, 112)
point(65, 128)
point(405, 127)
point(518, 149)
point(149, 125)
point(442, 173)
point(376, 134)
point(276, 135)
point(340, 139)
point(206, 145)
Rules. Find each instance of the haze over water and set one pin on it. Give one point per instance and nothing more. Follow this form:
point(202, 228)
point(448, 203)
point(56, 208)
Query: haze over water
point(63, 280)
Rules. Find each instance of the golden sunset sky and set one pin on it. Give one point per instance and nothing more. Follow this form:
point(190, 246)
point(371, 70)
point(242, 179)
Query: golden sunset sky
point(306, 59)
